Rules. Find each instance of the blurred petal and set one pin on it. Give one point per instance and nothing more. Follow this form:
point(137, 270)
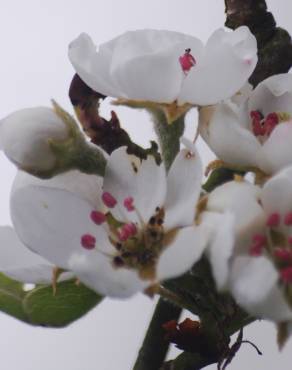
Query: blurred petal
point(51, 222)
point(253, 283)
point(99, 275)
point(221, 245)
point(82, 185)
point(231, 142)
point(186, 249)
point(229, 56)
point(91, 66)
point(239, 198)
point(277, 193)
point(276, 152)
point(273, 95)
point(183, 189)
point(147, 65)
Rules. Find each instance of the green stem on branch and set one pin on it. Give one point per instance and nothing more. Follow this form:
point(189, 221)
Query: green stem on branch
point(154, 348)
point(168, 134)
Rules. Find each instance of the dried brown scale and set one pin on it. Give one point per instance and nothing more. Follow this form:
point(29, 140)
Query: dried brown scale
point(109, 135)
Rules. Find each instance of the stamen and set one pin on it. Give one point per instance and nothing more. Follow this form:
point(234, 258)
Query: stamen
point(128, 204)
point(257, 127)
point(187, 61)
point(286, 275)
point(273, 220)
point(88, 241)
point(288, 219)
point(108, 200)
point(97, 217)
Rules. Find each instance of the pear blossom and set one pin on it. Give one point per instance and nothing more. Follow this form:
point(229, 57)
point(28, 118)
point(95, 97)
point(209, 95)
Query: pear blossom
point(166, 67)
point(25, 134)
point(257, 132)
point(253, 260)
point(118, 239)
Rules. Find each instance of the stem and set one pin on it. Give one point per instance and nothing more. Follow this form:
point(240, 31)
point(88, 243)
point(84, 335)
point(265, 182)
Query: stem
point(154, 348)
point(169, 135)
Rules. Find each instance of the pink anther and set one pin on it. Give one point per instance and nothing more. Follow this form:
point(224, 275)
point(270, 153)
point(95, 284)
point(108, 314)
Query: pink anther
point(286, 275)
point(273, 220)
point(97, 217)
point(108, 200)
point(128, 204)
point(256, 250)
point(257, 127)
point(288, 219)
point(88, 241)
point(270, 123)
point(283, 254)
point(130, 228)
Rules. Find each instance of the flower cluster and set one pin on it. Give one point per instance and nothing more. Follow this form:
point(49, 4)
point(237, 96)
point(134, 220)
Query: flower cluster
point(133, 224)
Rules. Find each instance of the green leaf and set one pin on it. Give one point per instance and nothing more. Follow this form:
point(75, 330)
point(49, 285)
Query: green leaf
point(70, 302)
point(11, 296)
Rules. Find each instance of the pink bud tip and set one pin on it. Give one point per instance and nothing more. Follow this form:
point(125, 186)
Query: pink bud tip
point(273, 220)
point(128, 203)
point(283, 254)
point(130, 228)
point(88, 241)
point(288, 219)
point(286, 275)
point(97, 217)
point(108, 200)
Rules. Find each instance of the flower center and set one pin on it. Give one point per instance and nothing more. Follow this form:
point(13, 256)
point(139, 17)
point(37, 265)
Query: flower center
point(262, 126)
point(137, 245)
point(187, 61)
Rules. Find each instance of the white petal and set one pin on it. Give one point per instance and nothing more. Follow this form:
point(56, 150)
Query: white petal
point(145, 183)
point(231, 142)
point(273, 95)
point(183, 189)
point(253, 283)
point(93, 67)
point(277, 193)
point(82, 185)
point(221, 245)
point(51, 222)
point(19, 263)
point(239, 198)
point(186, 249)
point(276, 152)
point(229, 56)
point(146, 65)
point(99, 275)
point(24, 137)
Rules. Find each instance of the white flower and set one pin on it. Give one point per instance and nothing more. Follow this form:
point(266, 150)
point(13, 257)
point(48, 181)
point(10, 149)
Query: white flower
point(25, 134)
point(146, 235)
point(254, 258)
point(259, 132)
point(157, 66)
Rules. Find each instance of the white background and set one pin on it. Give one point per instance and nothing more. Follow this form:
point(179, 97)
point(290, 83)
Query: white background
point(33, 69)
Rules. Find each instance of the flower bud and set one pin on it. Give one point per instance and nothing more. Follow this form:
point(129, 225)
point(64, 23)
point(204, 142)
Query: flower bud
point(44, 142)
point(25, 135)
